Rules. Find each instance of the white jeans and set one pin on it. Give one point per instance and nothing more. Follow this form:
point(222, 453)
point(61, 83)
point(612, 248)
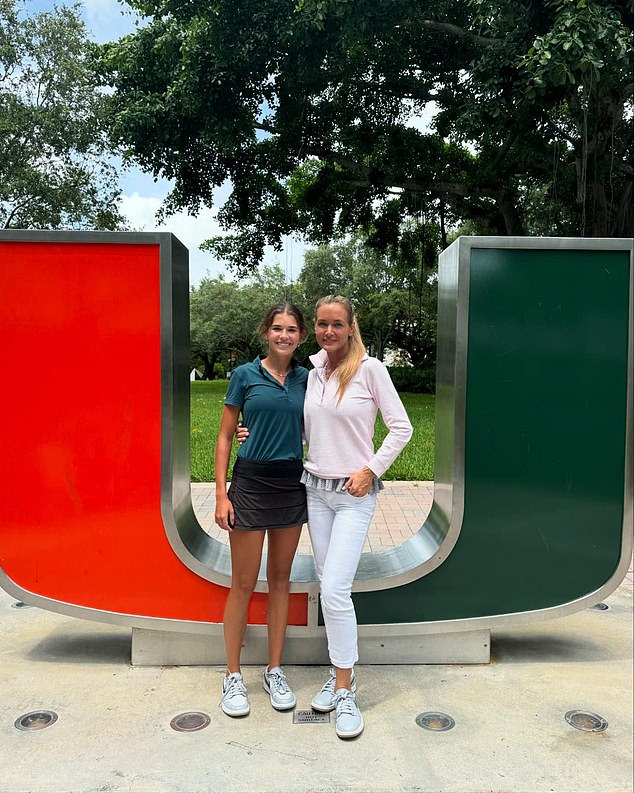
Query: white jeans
point(338, 524)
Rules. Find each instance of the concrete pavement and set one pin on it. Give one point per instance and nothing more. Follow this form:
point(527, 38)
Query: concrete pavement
point(113, 731)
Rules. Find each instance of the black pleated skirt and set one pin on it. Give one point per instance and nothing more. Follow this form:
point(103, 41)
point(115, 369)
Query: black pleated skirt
point(267, 495)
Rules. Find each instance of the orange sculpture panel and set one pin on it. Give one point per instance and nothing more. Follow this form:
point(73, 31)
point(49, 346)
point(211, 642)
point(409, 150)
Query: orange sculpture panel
point(82, 432)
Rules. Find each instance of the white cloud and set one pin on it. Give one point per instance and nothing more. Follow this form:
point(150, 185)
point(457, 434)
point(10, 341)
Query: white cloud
point(140, 210)
point(108, 19)
point(191, 231)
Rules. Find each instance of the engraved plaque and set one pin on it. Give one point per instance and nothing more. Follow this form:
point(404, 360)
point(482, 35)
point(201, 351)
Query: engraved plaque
point(310, 717)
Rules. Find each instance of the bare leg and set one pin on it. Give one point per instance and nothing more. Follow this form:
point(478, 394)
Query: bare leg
point(343, 678)
point(246, 554)
point(282, 548)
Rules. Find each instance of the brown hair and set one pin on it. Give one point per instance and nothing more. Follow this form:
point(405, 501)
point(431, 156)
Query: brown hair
point(356, 348)
point(283, 308)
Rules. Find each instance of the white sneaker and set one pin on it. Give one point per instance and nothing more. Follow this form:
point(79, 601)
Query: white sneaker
point(349, 722)
point(324, 700)
point(276, 685)
point(234, 695)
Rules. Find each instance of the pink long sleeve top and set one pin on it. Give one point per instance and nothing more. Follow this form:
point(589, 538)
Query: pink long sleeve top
point(340, 435)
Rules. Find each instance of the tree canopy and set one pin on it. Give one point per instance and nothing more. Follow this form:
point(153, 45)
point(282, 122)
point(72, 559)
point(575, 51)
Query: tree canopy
point(395, 300)
point(312, 109)
point(53, 124)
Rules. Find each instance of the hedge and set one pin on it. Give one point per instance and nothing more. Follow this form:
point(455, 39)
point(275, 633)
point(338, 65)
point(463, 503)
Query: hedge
point(415, 379)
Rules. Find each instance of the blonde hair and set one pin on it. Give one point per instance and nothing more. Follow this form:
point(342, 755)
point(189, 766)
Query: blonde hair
point(356, 348)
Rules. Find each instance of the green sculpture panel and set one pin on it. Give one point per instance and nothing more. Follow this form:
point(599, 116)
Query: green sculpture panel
point(541, 398)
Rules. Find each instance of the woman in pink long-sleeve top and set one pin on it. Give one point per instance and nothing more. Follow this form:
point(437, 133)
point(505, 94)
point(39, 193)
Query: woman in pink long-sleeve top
point(345, 391)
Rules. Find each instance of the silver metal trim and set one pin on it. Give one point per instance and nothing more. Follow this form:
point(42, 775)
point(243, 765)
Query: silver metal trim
point(314, 631)
point(385, 569)
point(104, 237)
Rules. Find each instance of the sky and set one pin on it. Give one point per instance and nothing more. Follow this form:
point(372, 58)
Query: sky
point(107, 20)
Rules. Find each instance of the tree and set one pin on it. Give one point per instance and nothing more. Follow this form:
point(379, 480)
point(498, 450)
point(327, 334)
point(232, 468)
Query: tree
point(53, 124)
point(210, 341)
point(312, 108)
point(394, 295)
point(224, 318)
point(362, 275)
point(416, 265)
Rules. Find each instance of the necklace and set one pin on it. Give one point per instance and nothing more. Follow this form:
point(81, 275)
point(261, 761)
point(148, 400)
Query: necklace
point(282, 375)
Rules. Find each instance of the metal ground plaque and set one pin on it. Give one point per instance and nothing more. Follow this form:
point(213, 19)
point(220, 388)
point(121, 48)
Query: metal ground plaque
point(310, 717)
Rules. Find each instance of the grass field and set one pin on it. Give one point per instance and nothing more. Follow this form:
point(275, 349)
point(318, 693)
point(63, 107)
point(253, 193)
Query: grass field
point(415, 462)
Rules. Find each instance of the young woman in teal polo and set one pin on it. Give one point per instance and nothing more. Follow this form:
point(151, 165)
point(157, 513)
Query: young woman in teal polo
point(265, 496)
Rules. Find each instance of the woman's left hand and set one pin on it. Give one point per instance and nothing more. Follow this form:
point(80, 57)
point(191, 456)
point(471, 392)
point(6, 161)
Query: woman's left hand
point(360, 483)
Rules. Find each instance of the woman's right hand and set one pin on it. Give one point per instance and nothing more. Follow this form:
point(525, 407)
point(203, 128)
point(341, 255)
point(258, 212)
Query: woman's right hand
point(242, 433)
point(224, 513)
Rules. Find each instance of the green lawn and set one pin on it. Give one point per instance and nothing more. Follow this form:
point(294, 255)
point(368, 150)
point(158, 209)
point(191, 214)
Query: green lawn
point(415, 462)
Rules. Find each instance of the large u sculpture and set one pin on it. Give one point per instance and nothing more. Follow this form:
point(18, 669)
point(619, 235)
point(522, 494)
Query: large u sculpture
point(532, 510)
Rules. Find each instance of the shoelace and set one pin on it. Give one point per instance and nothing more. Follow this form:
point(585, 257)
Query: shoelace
point(329, 685)
point(278, 681)
point(346, 704)
point(235, 687)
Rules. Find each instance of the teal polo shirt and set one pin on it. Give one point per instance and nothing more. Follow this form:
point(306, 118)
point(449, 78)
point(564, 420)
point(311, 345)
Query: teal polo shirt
point(273, 413)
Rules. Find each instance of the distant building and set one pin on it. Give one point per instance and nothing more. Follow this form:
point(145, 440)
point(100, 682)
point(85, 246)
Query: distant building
point(397, 357)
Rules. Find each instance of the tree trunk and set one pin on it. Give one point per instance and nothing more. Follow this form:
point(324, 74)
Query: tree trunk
point(508, 209)
point(208, 372)
point(623, 223)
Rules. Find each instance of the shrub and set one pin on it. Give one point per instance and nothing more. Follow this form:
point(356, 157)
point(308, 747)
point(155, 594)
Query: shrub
point(414, 379)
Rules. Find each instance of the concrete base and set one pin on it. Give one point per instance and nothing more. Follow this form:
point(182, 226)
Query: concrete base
point(171, 648)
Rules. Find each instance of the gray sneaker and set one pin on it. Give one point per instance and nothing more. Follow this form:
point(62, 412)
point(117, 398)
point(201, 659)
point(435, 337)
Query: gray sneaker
point(276, 685)
point(234, 695)
point(349, 721)
point(324, 700)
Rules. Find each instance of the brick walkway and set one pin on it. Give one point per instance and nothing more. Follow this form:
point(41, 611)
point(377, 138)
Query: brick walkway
point(401, 510)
